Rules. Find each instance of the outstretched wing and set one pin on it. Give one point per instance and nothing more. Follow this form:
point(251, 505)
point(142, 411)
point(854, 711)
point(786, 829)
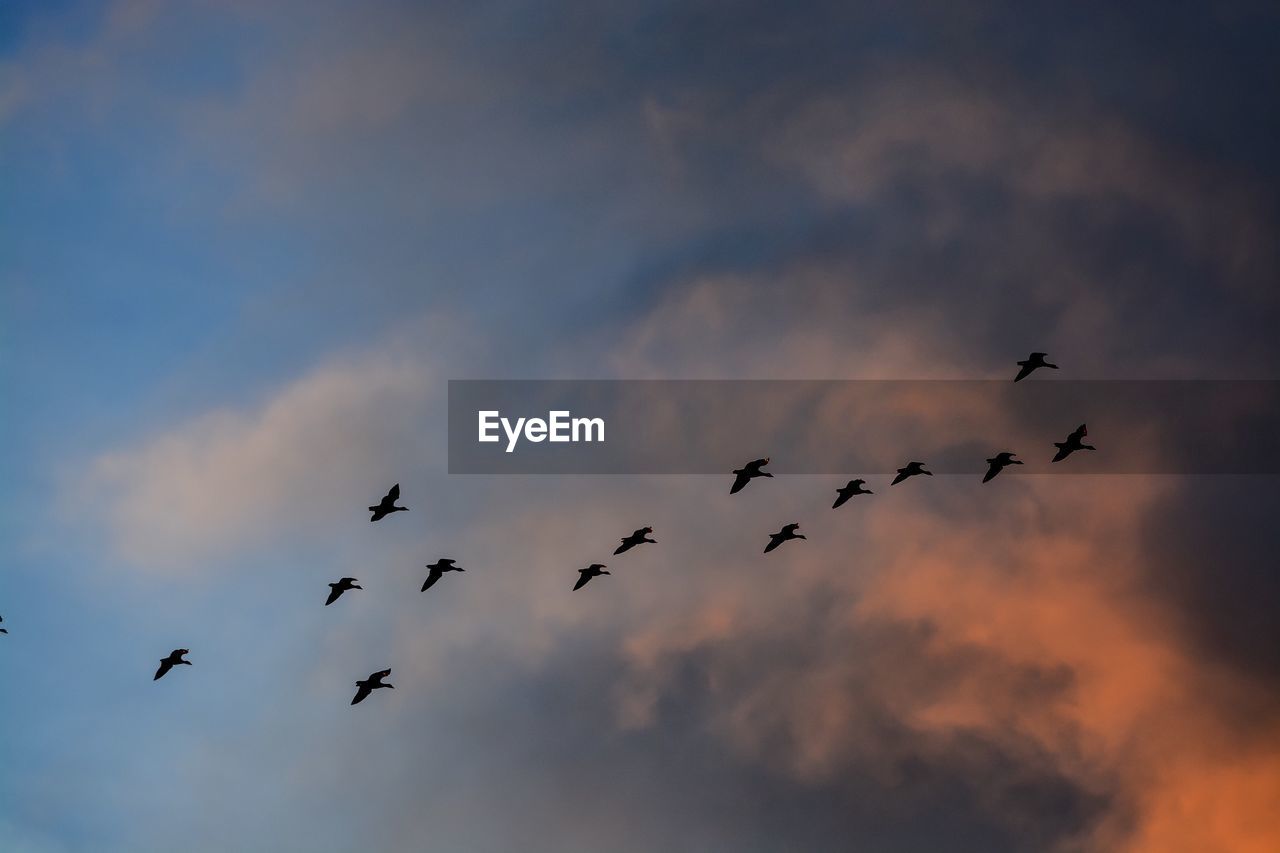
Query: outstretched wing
point(742, 480)
point(898, 479)
point(992, 471)
point(334, 592)
point(583, 577)
point(625, 546)
point(1063, 452)
point(432, 577)
point(774, 541)
point(393, 495)
point(165, 666)
point(362, 693)
point(1080, 433)
point(842, 497)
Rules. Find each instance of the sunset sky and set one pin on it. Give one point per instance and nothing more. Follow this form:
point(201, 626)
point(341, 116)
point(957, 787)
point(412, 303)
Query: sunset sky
point(244, 246)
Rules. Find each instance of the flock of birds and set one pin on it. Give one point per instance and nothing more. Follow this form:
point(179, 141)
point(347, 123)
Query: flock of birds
point(744, 475)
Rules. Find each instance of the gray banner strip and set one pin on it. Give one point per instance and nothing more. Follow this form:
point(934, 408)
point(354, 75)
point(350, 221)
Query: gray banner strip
point(861, 426)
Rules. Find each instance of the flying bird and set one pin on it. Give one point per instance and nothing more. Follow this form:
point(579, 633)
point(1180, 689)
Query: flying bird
point(337, 589)
point(3, 630)
point(910, 470)
point(174, 658)
point(1072, 444)
point(1035, 360)
point(370, 684)
point(637, 538)
point(853, 487)
point(748, 472)
point(388, 504)
point(998, 463)
point(438, 568)
point(787, 532)
point(592, 571)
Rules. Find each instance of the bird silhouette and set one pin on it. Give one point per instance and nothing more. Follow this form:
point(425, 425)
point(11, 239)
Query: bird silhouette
point(910, 470)
point(998, 463)
point(166, 664)
point(438, 568)
point(637, 538)
point(853, 487)
point(3, 630)
point(337, 589)
point(592, 571)
point(788, 531)
point(1035, 360)
point(1072, 444)
point(370, 684)
point(748, 472)
point(388, 504)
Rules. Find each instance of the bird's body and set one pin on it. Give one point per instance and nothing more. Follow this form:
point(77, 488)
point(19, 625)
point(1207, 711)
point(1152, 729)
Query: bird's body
point(998, 463)
point(747, 473)
point(370, 684)
point(168, 663)
point(1034, 361)
point(337, 589)
point(853, 487)
point(786, 533)
point(637, 538)
point(388, 504)
point(911, 469)
point(1072, 444)
point(592, 571)
point(438, 568)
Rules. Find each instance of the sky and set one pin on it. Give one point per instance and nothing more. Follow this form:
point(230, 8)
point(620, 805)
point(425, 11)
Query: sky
point(244, 246)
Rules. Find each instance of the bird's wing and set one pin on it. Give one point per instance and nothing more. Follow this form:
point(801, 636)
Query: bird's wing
point(364, 691)
point(377, 513)
point(992, 470)
point(434, 576)
point(1025, 371)
point(165, 666)
point(394, 494)
point(898, 479)
point(742, 480)
point(623, 547)
point(583, 577)
point(1063, 452)
point(774, 541)
point(334, 592)
point(1080, 432)
point(841, 498)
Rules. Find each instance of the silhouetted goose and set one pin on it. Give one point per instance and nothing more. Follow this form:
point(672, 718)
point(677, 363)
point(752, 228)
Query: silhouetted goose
point(337, 589)
point(637, 538)
point(910, 470)
point(853, 487)
point(592, 571)
point(1072, 444)
point(3, 630)
point(998, 463)
point(438, 568)
point(174, 658)
point(1035, 360)
point(388, 504)
point(787, 532)
point(747, 473)
point(370, 684)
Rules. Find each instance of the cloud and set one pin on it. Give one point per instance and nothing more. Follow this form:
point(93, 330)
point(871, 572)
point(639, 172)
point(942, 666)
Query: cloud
point(229, 479)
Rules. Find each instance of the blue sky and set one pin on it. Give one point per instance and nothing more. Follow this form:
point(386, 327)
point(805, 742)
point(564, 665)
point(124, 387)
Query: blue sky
point(243, 247)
